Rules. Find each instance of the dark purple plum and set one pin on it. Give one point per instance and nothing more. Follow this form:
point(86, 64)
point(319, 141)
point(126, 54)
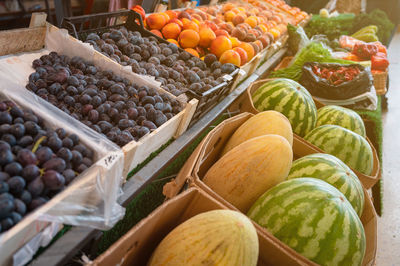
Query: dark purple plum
point(26, 157)
point(53, 180)
point(36, 187)
point(56, 164)
point(16, 184)
point(30, 172)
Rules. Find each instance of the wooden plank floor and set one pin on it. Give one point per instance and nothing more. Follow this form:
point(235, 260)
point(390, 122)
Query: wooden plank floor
point(389, 223)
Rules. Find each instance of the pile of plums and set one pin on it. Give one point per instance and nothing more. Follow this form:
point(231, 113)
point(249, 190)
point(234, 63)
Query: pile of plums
point(107, 103)
point(36, 162)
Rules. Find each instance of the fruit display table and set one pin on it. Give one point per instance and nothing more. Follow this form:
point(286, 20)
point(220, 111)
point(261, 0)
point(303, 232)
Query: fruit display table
point(150, 99)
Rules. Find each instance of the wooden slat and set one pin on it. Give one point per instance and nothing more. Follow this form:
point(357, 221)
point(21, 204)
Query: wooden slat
point(38, 20)
point(22, 40)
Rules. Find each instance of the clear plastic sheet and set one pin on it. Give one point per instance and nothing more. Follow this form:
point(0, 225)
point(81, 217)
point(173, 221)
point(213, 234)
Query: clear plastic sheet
point(91, 200)
point(42, 239)
point(366, 101)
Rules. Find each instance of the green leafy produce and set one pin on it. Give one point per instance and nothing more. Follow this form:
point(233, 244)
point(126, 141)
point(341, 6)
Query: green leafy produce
point(313, 52)
point(332, 27)
point(375, 17)
point(297, 38)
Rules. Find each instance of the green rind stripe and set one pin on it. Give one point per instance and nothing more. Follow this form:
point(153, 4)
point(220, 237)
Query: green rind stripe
point(341, 116)
point(351, 148)
point(289, 98)
point(330, 169)
point(314, 219)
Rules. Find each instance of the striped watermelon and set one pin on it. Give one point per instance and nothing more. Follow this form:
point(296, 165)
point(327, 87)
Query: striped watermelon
point(313, 218)
point(341, 116)
point(332, 170)
point(346, 145)
point(289, 98)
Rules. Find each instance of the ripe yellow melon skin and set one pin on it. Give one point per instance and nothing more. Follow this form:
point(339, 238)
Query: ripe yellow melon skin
point(219, 237)
point(264, 123)
point(243, 174)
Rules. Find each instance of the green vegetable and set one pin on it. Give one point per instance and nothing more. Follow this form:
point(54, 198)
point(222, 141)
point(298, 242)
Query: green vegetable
point(376, 17)
point(313, 52)
point(297, 38)
point(332, 27)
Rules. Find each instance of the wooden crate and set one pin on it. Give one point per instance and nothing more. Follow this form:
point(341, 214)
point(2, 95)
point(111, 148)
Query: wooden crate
point(380, 80)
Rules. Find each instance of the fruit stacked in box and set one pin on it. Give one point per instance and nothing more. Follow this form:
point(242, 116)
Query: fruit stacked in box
point(312, 204)
point(105, 102)
point(177, 71)
point(233, 32)
point(336, 130)
point(36, 162)
point(291, 200)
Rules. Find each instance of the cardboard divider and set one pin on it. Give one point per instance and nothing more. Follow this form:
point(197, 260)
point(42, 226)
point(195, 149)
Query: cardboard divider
point(245, 104)
point(208, 152)
point(136, 246)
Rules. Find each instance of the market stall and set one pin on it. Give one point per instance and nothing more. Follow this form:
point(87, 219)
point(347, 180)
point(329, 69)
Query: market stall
point(132, 123)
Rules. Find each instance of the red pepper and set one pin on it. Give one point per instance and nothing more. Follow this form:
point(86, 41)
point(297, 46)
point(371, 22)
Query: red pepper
point(381, 47)
point(365, 50)
point(379, 62)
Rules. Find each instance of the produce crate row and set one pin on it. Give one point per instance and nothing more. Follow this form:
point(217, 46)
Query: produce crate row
point(202, 197)
point(21, 47)
point(194, 105)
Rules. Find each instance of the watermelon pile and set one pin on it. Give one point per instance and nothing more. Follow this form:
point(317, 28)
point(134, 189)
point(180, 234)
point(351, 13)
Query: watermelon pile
point(334, 129)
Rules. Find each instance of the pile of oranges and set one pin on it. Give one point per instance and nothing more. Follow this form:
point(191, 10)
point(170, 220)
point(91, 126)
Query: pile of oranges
point(233, 32)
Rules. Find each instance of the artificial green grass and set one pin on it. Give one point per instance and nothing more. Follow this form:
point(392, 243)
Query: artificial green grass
point(377, 128)
point(150, 197)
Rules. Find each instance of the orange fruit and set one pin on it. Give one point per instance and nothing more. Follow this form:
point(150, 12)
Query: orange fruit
point(189, 39)
point(249, 50)
point(171, 31)
point(192, 51)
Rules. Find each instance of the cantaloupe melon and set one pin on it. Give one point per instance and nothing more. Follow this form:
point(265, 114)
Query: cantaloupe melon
point(264, 123)
point(219, 237)
point(251, 168)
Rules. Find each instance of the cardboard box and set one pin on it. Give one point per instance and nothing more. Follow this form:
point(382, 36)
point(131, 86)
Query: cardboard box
point(245, 104)
point(208, 152)
point(136, 246)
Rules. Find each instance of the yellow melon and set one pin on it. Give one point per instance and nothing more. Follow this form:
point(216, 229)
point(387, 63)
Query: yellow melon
point(219, 237)
point(264, 123)
point(243, 174)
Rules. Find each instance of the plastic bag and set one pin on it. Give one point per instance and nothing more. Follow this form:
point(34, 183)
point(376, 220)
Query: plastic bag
point(348, 42)
point(320, 87)
point(297, 38)
point(366, 101)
